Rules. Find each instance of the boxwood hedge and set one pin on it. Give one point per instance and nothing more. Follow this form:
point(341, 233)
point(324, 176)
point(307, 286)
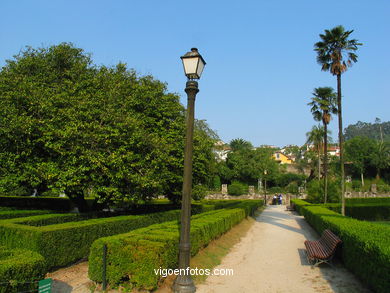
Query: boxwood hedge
point(20, 269)
point(65, 238)
point(366, 246)
point(9, 214)
point(66, 242)
point(135, 255)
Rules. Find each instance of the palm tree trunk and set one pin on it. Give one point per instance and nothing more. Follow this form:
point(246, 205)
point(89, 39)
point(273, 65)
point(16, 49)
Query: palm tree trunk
point(341, 143)
point(325, 162)
point(319, 162)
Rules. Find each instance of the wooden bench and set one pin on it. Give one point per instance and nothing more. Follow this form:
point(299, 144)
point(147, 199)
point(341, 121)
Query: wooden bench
point(322, 250)
point(290, 208)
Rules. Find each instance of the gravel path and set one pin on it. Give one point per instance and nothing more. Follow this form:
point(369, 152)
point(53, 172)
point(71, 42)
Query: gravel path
point(271, 258)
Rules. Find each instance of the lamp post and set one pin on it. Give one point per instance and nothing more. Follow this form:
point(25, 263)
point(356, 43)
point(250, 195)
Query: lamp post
point(265, 187)
point(193, 67)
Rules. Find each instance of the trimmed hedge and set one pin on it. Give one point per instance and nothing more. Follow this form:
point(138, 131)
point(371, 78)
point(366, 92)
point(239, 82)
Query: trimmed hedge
point(9, 214)
point(64, 243)
point(20, 269)
point(368, 200)
point(50, 203)
point(137, 254)
point(65, 238)
point(366, 246)
point(368, 212)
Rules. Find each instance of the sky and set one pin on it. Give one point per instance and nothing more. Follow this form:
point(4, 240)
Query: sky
point(261, 68)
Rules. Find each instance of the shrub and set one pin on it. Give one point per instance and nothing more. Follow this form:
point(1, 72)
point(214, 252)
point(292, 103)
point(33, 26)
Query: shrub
point(365, 249)
point(199, 192)
point(20, 269)
point(50, 203)
point(237, 188)
point(369, 209)
point(315, 191)
point(138, 253)
point(4, 214)
point(66, 242)
point(275, 189)
point(65, 238)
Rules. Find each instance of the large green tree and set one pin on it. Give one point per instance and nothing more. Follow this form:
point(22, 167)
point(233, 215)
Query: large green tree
point(380, 156)
point(68, 125)
point(322, 106)
point(335, 53)
point(359, 151)
point(315, 137)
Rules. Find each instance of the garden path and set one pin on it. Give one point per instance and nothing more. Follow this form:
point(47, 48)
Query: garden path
point(271, 258)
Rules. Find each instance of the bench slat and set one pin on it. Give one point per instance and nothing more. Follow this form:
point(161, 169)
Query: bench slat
point(324, 248)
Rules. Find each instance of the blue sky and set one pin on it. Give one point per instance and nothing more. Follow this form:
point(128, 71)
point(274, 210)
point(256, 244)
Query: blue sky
point(261, 67)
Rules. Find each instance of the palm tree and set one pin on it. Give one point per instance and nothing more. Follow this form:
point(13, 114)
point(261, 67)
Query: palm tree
point(335, 53)
point(323, 105)
point(316, 138)
point(240, 144)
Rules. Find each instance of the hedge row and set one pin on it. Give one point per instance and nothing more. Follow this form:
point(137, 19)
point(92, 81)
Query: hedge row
point(9, 214)
point(365, 250)
point(137, 254)
point(20, 270)
point(368, 212)
point(64, 243)
point(368, 200)
point(65, 238)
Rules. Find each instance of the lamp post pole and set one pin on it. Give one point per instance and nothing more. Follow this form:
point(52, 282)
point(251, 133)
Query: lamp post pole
point(265, 187)
point(193, 64)
point(184, 283)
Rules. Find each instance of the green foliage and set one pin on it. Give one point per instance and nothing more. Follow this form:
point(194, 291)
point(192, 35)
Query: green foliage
point(239, 144)
point(199, 192)
point(248, 165)
point(237, 188)
point(70, 126)
point(65, 238)
point(315, 191)
point(284, 179)
point(50, 203)
point(20, 213)
point(19, 269)
point(368, 209)
point(154, 247)
point(66, 241)
point(365, 249)
point(373, 131)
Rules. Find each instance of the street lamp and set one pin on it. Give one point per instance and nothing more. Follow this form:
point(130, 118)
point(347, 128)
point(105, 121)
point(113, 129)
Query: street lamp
point(265, 187)
point(193, 64)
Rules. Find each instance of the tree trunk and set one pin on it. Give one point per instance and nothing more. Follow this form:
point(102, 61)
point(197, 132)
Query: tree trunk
point(325, 163)
point(341, 143)
point(361, 175)
point(319, 162)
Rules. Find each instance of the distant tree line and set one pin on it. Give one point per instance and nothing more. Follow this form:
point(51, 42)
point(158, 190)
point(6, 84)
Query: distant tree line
point(378, 130)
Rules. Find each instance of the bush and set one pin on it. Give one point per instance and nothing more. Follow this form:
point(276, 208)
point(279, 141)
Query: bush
point(20, 269)
point(148, 249)
point(365, 248)
point(275, 189)
point(315, 191)
point(4, 214)
point(50, 203)
point(369, 209)
point(285, 179)
point(66, 242)
point(237, 188)
point(65, 238)
point(199, 192)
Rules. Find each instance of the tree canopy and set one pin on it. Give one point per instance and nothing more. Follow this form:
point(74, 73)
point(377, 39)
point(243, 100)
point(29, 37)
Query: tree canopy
point(69, 125)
